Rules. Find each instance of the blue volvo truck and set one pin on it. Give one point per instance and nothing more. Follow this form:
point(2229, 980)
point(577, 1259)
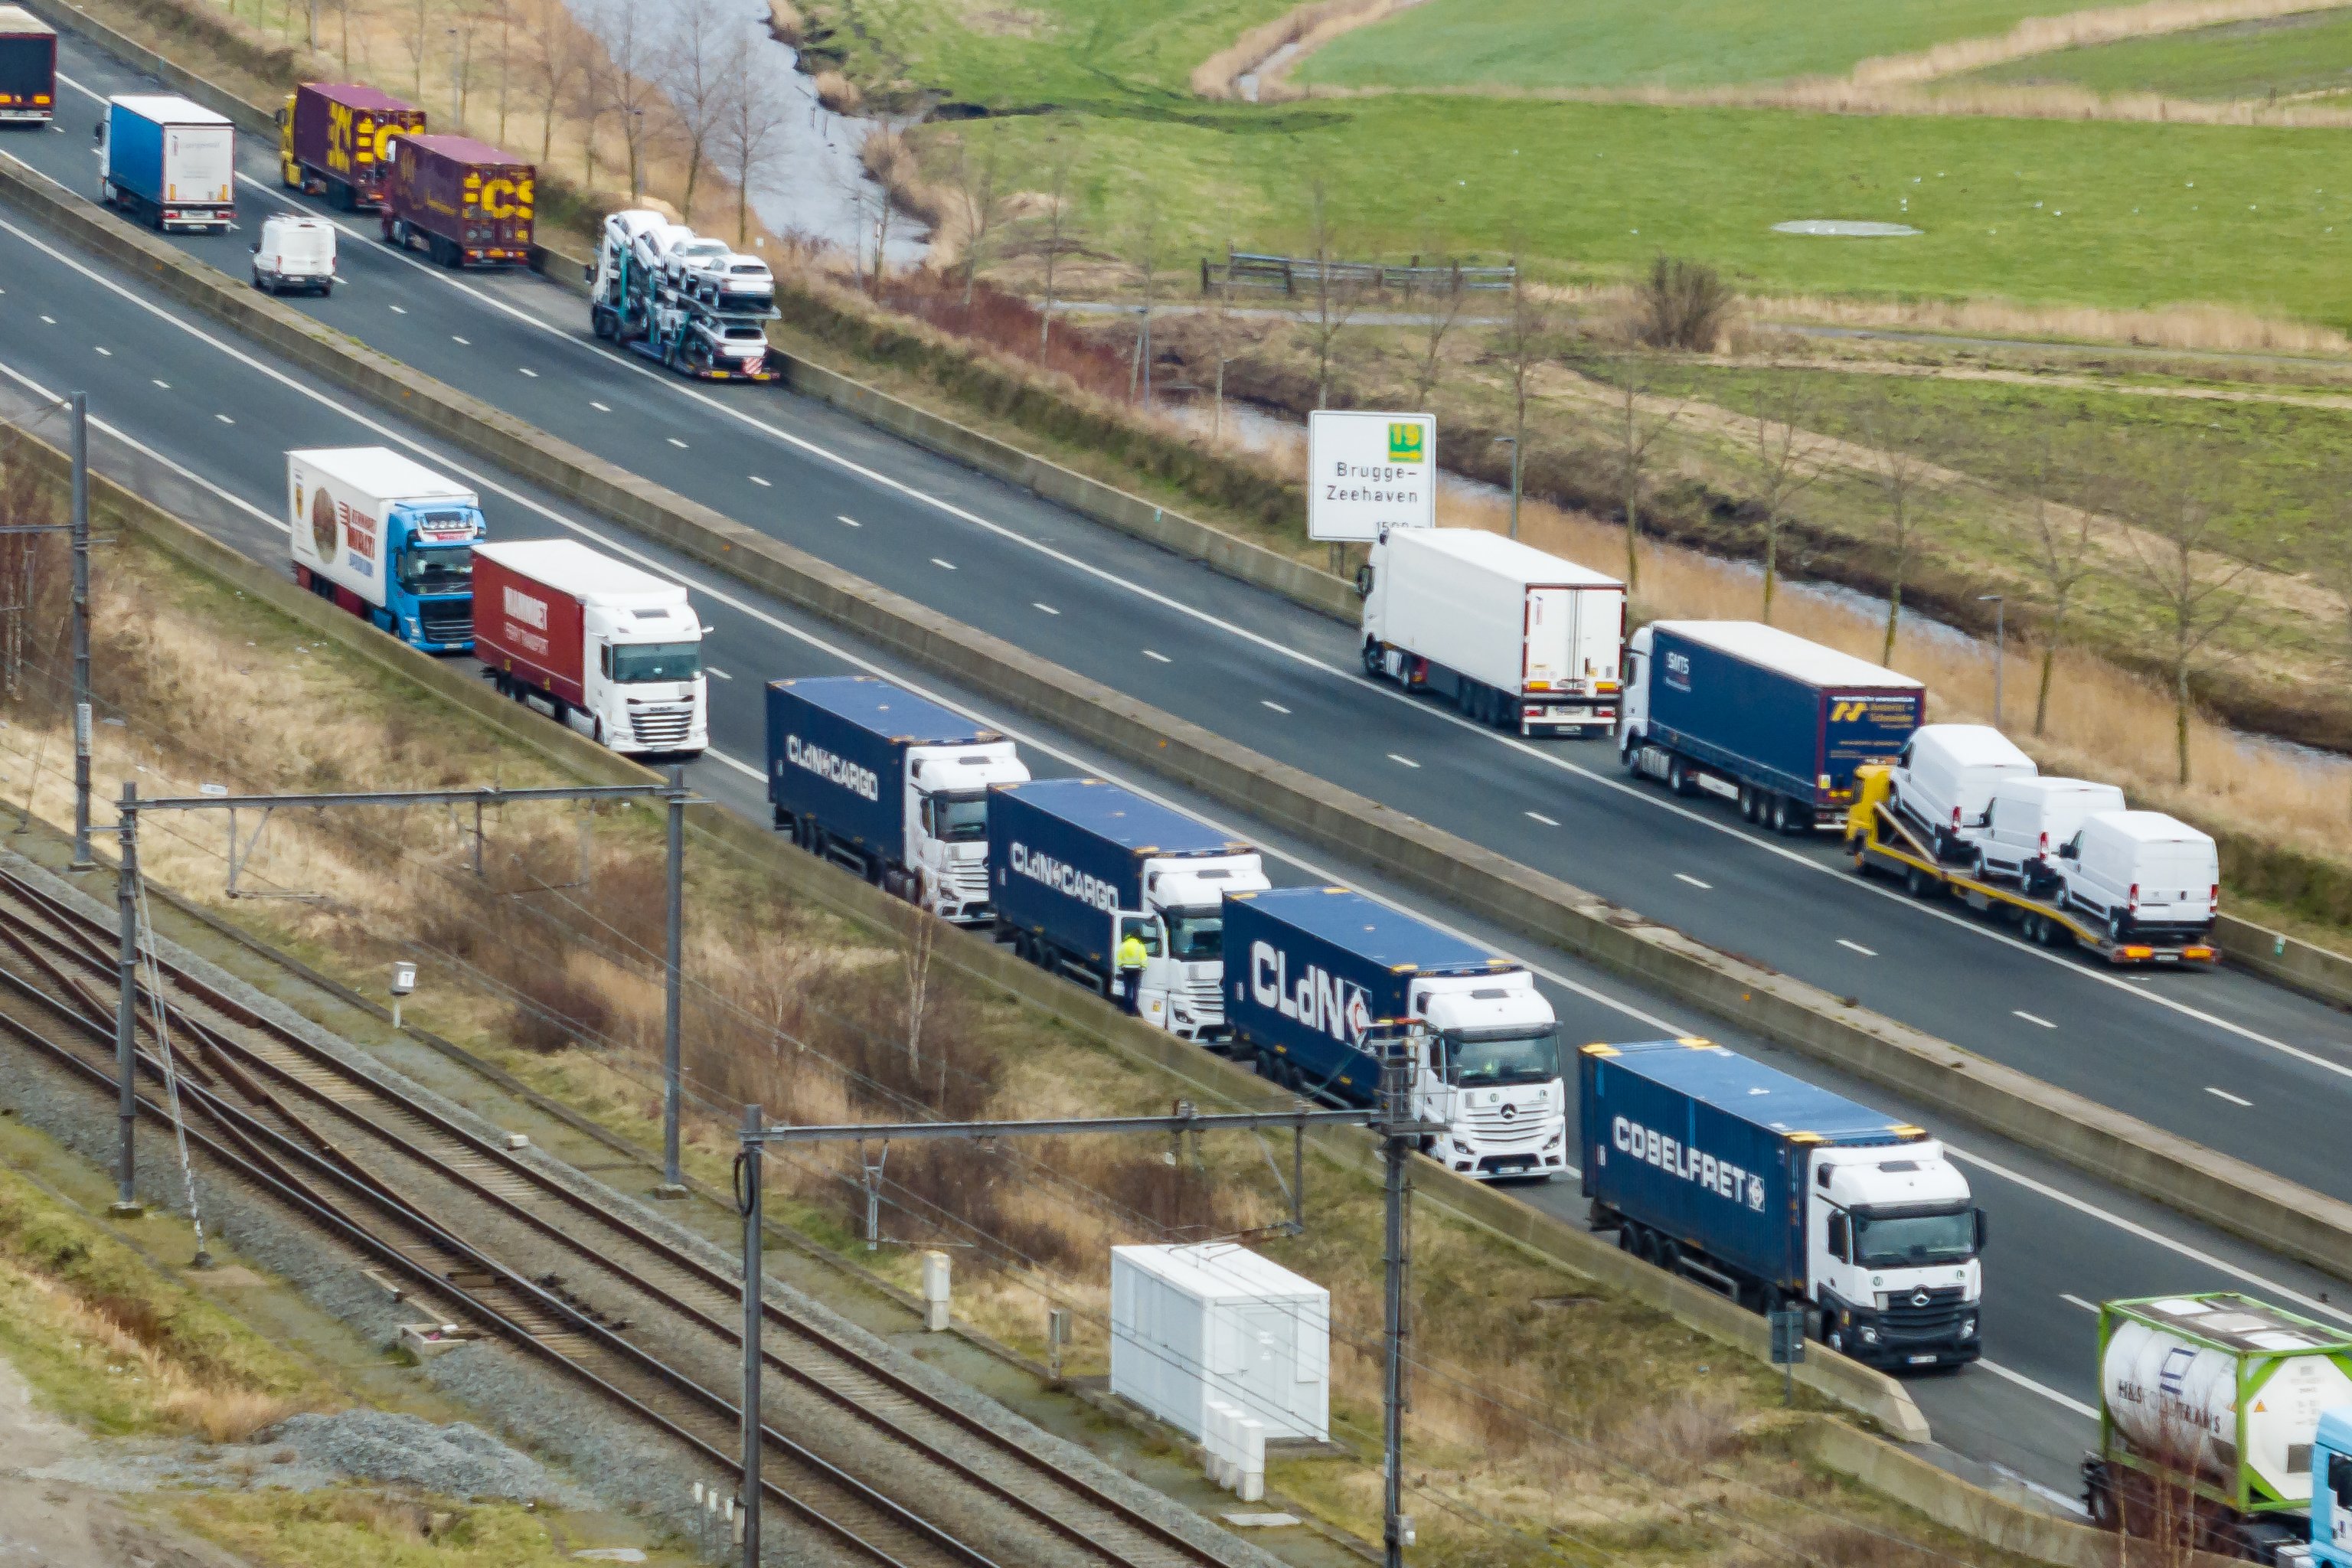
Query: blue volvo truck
point(889, 785)
point(1760, 717)
point(1316, 977)
point(1078, 865)
point(1777, 1192)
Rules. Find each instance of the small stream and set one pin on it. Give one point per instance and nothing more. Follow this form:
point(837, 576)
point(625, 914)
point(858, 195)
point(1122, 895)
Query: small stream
point(814, 185)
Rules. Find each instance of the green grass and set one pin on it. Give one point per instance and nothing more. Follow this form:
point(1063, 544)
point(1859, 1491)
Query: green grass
point(2101, 213)
point(2309, 52)
point(1671, 43)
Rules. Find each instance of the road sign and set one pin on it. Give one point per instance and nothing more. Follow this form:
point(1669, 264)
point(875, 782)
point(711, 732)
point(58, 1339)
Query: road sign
point(1366, 472)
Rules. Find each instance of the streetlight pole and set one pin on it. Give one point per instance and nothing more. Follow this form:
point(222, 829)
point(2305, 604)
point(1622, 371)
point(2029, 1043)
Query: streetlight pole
point(1513, 442)
point(81, 714)
point(1999, 648)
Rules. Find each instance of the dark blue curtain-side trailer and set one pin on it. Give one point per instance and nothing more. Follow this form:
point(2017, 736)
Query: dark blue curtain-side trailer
point(1769, 728)
point(1055, 876)
point(1657, 1152)
point(836, 755)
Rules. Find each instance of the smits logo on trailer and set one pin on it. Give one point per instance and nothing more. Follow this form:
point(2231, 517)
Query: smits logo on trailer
point(1678, 671)
point(833, 768)
point(1678, 1158)
point(1318, 999)
point(1062, 878)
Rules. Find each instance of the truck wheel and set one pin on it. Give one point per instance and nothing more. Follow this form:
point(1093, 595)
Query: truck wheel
point(1746, 804)
point(1916, 882)
point(1624, 1236)
point(1832, 1335)
point(1679, 780)
point(1785, 818)
point(1629, 751)
point(1373, 662)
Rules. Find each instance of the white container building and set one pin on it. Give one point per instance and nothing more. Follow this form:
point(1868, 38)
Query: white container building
point(1216, 1321)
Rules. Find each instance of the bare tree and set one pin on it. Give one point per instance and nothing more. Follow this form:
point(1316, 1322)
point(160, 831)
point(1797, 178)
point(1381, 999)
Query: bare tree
point(1901, 437)
point(2327, 551)
point(1441, 307)
point(1522, 343)
point(1143, 249)
point(506, 59)
point(628, 80)
point(916, 960)
point(691, 69)
point(1681, 305)
point(1057, 224)
point(1643, 414)
point(2177, 541)
point(412, 38)
point(1787, 462)
point(2063, 555)
point(1215, 323)
point(751, 131)
point(1336, 299)
point(555, 67)
point(972, 175)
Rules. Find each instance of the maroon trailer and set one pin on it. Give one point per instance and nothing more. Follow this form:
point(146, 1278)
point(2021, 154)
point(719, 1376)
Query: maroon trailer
point(469, 202)
point(28, 68)
point(333, 138)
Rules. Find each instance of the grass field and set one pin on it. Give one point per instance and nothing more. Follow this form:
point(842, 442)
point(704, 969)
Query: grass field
point(1618, 43)
point(2100, 213)
point(2302, 54)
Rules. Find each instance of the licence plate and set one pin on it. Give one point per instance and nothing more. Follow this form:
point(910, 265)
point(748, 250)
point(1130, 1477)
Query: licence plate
point(1921, 1360)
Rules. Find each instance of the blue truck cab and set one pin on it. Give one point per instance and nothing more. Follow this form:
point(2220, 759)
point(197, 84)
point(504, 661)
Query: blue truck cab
point(2331, 1490)
point(1314, 974)
point(1079, 864)
point(1776, 1192)
point(387, 539)
point(889, 785)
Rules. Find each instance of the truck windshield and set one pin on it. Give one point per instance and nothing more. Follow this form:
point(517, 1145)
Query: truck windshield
point(1896, 1241)
point(437, 568)
point(1196, 936)
point(959, 818)
point(637, 662)
point(1477, 1058)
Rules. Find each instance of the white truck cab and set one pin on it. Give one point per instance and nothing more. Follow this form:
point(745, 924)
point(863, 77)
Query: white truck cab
point(1892, 1239)
point(1491, 1071)
point(1183, 929)
point(645, 686)
point(946, 851)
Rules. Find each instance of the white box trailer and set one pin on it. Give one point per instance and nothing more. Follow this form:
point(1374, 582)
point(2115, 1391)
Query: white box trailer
point(1216, 1321)
point(1511, 635)
point(387, 539)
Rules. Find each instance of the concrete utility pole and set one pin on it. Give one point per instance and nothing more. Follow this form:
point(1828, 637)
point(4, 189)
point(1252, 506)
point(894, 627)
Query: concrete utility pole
point(81, 717)
point(126, 1007)
point(747, 1199)
point(673, 1178)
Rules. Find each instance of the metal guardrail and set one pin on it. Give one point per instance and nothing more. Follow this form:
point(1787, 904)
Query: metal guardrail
point(1252, 269)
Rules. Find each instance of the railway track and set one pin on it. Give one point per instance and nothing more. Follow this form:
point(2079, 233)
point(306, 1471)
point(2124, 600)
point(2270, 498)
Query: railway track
point(339, 1142)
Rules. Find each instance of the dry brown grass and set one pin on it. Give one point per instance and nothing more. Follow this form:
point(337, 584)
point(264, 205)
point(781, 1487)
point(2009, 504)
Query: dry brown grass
point(2209, 327)
point(2074, 30)
point(838, 93)
point(1309, 24)
point(785, 23)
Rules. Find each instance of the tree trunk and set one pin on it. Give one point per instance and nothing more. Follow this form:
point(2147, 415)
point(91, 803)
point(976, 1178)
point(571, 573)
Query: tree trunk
point(1894, 619)
point(2180, 716)
point(2042, 695)
point(1771, 561)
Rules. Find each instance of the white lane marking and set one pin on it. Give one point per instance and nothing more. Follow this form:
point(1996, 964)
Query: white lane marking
point(943, 565)
point(721, 591)
point(1154, 653)
point(1269, 703)
point(1539, 816)
point(1041, 604)
point(2031, 1019)
point(2043, 1389)
point(455, 338)
point(527, 371)
point(400, 310)
point(164, 385)
point(224, 418)
point(600, 407)
point(740, 766)
point(1857, 947)
point(106, 352)
point(715, 671)
point(759, 481)
point(51, 320)
point(676, 443)
point(2225, 1094)
point(1407, 761)
point(853, 522)
point(100, 425)
point(1693, 881)
point(2074, 1300)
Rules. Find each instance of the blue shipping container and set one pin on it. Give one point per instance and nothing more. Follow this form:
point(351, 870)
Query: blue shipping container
point(1065, 855)
point(837, 753)
point(1309, 972)
point(1795, 730)
point(1707, 1147)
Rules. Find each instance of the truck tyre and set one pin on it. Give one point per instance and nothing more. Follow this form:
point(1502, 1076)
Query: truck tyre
point(1916, 882)
point(1679, 781)
point(1629, 751)
point(1746, 804)
point(1373, 662)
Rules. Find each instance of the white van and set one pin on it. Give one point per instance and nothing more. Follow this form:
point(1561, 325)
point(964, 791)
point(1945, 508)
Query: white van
point(2029, 819)
point(2144, 874)
point(295, 252)
point(1945, 778)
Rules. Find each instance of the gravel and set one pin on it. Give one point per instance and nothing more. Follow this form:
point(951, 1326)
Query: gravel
point(456, 1460)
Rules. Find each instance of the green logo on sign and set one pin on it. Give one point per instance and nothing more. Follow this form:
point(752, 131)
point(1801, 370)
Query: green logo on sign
point(1405, 444)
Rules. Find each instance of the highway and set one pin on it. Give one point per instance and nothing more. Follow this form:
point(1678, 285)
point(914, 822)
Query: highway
point(2223, 1058)
point(198, 420)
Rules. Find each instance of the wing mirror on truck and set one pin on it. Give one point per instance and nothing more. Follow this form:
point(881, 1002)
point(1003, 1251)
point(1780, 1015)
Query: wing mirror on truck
point(1364, 581)
point(1841, 1238)
point(1982, 1230)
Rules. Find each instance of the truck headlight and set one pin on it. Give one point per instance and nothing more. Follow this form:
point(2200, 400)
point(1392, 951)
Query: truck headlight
point(1554, 1140)
point(1869, 1335)
point(1967, 1328)
point(1460, 1147)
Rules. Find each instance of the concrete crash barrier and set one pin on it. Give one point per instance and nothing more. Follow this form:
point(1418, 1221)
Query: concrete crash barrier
point(2289, 961)
point(1863, 1389)
point(2199, 1182)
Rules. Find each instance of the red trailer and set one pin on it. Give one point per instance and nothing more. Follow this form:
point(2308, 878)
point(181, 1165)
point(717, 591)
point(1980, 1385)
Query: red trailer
point(28, 68)
point(334, 138)
point(469, 202)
